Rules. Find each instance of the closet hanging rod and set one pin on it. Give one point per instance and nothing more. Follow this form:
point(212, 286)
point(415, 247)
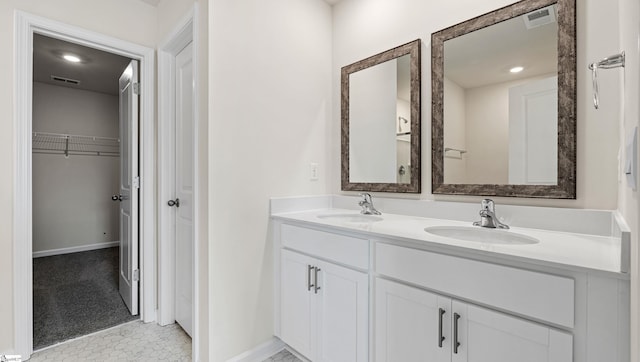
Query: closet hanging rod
point(69, 144)
point(610, 62)
point(76, 153)
point(63, 135)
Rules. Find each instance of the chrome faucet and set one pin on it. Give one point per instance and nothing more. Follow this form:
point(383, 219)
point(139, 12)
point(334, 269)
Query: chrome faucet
point(367, 205)
point(488, 218)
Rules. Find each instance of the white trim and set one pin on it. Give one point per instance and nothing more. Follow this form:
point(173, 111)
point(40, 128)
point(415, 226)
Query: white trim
point(75, 249)
point(195, 349)
point(25, 26)
point(22, 208)
point(183, 34)
point(261, 352)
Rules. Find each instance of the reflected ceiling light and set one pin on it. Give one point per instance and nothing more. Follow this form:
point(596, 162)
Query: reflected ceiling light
point(516, 69)
point(71, 58)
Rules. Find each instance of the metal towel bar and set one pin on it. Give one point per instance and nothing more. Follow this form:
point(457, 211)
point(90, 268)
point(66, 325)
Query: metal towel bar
point(614, 61)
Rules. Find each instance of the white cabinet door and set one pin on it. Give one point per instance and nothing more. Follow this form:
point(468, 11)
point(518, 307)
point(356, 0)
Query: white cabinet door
point(485, 335)
point(343, 313)
point(410, 324)
point(324, 309)
point(297, 322)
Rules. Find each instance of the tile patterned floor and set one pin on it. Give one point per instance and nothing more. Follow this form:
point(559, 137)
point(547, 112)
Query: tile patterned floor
point(283, 356)
point(135, 341)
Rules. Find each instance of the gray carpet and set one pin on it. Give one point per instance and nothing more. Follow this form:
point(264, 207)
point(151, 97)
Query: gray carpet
point(76, 294)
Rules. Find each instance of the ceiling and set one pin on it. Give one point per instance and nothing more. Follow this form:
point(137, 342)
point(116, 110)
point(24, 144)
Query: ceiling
point(98, 71)
point(485, 56)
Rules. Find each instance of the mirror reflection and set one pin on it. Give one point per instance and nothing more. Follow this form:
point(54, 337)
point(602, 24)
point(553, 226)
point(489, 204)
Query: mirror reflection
point(501, 102)
point(380, 123)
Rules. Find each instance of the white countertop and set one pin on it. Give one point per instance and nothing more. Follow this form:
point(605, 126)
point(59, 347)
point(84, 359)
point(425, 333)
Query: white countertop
point(560, 249)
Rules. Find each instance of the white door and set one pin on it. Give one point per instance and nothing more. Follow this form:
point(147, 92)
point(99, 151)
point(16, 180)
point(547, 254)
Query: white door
point(533, 121)
point(184, 176)
point(297, 321)
point(129, 187)
point(343, 313)
point(411, 324)
point(485, 335)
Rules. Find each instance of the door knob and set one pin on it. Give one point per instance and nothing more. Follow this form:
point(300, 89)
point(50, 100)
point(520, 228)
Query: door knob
point(116, 197)
point(175, 202)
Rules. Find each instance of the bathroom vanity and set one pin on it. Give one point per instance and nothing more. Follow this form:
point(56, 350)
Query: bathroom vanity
point(411, 287)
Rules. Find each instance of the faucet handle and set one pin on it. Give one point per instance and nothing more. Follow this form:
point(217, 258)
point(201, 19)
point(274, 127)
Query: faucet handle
point(488, 204)
point(366, 197)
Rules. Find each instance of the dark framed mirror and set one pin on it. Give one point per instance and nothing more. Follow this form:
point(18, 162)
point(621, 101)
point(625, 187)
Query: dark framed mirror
point(504, 103)
point(381, 112)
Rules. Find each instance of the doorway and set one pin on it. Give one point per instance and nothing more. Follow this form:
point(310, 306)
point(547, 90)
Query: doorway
point(80, 242)
point(26, 26)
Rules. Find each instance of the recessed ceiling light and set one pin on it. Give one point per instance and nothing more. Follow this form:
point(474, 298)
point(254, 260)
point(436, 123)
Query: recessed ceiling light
point(516, 69)
point(71, 58)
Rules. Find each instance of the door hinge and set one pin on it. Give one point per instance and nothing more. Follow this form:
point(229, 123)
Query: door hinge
point(136, 275)
point(136, 182)
point(136, 88)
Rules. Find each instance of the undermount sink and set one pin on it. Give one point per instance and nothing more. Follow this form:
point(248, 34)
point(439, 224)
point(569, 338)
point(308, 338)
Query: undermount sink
point(482, 235)
point(353, 218)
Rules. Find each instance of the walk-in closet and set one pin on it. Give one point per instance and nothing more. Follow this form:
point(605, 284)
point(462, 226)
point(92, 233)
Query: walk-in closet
point(76, 171)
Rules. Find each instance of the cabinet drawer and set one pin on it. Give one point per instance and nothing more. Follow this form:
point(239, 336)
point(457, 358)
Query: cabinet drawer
point(546, 297)
point(340, 248)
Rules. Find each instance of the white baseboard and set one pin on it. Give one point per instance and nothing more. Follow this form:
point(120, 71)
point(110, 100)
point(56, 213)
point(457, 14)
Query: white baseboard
point(75, 249)
point(261, 352)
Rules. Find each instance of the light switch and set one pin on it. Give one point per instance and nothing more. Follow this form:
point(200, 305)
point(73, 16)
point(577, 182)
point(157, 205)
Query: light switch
point(631, 159)
point(313, 171)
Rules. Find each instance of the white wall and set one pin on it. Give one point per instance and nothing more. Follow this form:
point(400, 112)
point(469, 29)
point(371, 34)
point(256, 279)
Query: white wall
point(365, 27)
point(487, 125)
point(628, 204)
point(72, 203)
point(133, 21)
point(269, 117)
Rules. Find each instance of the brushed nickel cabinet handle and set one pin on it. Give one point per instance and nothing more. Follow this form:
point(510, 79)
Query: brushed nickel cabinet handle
point(441, 338)
point(456, 343)
point(309, 285)
point(316, 287)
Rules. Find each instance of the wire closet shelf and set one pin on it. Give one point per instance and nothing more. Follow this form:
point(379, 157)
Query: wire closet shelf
point(69, 144)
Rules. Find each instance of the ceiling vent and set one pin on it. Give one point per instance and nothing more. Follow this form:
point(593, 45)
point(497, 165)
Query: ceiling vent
point(64, 80)
point(540, 17)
